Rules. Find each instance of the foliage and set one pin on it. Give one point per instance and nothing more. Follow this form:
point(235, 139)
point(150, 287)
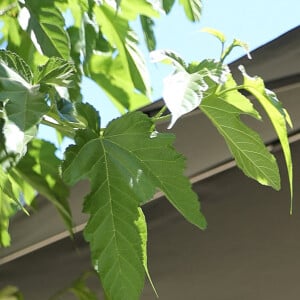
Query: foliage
point(42, 66)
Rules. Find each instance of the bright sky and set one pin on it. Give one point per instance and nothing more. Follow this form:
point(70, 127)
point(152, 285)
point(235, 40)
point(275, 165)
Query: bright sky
point(255, 22)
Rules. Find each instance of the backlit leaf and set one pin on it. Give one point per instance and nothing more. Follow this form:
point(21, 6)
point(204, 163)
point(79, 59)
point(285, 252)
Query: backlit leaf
point(248, 149)
point(192, 8)
point(46, 28)
point(278, 116)
point(56, 71)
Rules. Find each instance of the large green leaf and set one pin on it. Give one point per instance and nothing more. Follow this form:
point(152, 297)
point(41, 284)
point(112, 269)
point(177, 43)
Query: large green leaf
point(277, 114)
point(47, 24)
point(192, 8)
point(249, 151)
point(125, 165)
point(40, 168)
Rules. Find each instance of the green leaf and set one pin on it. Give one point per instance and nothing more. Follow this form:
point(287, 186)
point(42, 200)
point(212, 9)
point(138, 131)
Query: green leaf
point(40, 168)
point(13, 142)
point(56, 71)
point(142, 226)
point(89, 116)
point(10, 203)
point(24, 104)
point(249, 151)
point(125, 165)
point(134, 8)
point(10, 293)
point(192, 9)
point(218, 34)
point(80, 289)
point(47, 25)
point(17, 64)
point(168, 57)
point(234, 44)
point(167, 5)
point(277, 115)
point(118, 33)
point(149, 36)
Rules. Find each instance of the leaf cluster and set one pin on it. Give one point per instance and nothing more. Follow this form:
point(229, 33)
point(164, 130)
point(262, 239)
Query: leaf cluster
point(48, 47)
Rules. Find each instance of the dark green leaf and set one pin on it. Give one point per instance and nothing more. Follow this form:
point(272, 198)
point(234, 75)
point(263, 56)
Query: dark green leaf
point(89, 116)
point(167, 5)
point(125, 165)
point(147, 26)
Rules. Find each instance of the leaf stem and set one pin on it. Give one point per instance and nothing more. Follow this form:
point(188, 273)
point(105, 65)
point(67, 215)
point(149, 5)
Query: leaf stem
point(236, 88)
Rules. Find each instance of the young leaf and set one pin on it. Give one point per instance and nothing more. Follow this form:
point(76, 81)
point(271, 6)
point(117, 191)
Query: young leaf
point(277, 115)
point(192, 8)
point(40, 168)
point(249, 151)
point(56, 71)
point(46, 27)
point(218, 34)
point(182, 93)
point(125, 165)
point(168, 57)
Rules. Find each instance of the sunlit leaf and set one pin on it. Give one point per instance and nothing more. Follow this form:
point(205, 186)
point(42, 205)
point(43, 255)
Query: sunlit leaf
point(218, 34)
point(168, 57)
point(277, 115)
point(182, 93)
point(134, 164)
point(56, 71)
point(192, 8)
point(46, 28)
point(248, 149)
